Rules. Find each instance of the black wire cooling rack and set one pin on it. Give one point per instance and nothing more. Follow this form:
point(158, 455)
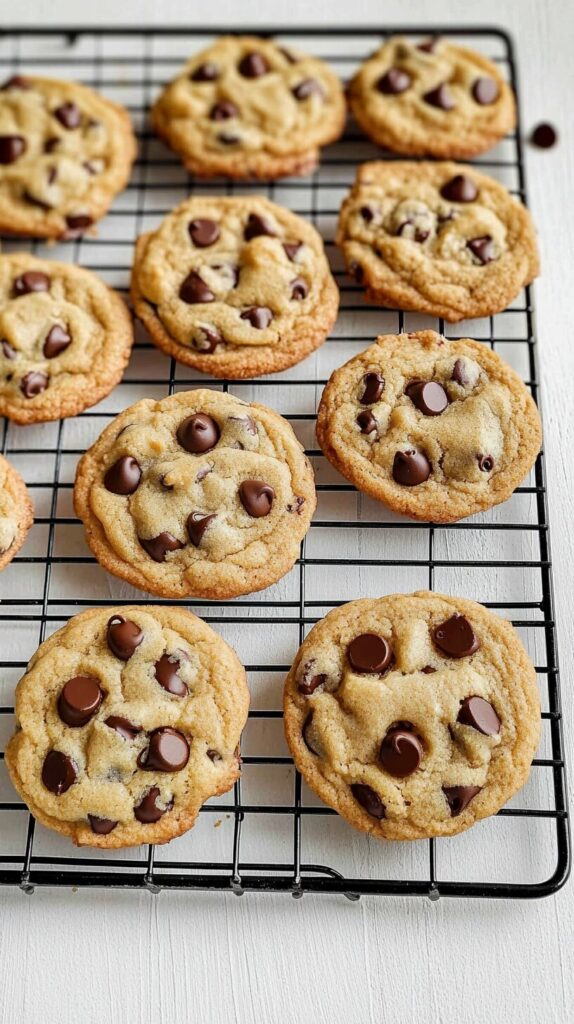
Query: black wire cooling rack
point(271, 833)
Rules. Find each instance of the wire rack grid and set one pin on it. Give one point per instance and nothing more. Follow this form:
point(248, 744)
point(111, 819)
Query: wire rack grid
point(271, 833)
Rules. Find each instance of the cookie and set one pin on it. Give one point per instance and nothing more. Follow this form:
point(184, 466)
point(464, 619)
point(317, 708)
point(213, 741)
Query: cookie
point(435, 99)
point(196, 495)
point(437, 238)
point(413, 715)
point(248, 108)
point(65, 339)
point(436, 429)
point(127, 720)
point(16, 512)
point(235, 287)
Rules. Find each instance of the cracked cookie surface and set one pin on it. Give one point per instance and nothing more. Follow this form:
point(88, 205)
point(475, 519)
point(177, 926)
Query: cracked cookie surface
point(128, 720)
point(413, 715)
point(249, 108)
point(435, 99)
point(16, 512)
point(65, 152)
point(435, 429)
point(199, 494)
point(437, 238)
point(65, 339)
point(235, 287)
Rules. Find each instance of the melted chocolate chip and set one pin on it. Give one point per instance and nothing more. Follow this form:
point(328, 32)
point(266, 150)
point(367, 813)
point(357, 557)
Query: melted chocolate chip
point(7, 350)
point(79, 700)
point(124, 476)
point(68, 115)
point(418, 235)
point(308, 87)
point(544, 136)
point(367, 213)
point(485, 463)
point(101, 826)
point(401, 752)
point(297, 505)
point(198, 433)
point(459, 797)
point(429, 397)
point(126, 729)
point(411, 468)
point(480, 715)
point(299, 288)
point(197, 524)
point(203, 232)
point(310, 681)
point(77, 222)
point(429, 45)
point(306, 733)
point(58, 772)
point(16, 82)
point(256, 498)
point(168, 751)
point(460, 189)
point(214, 755)
point(31, 281)
point(394, 81)
point(257, 225)
point(158, 547)
point(207, 72)
point(485, 91)
point(374, 387)
point(194, 290)
point(259, 317)
point(440, 97)
point(369, 800)
point(370, 653)
point(209, 341)
point(355, 270)
point(228, 139)
point(456, 637)
point(223, 111)
point(123, 637)
point(367, 422)
point(253, 65)
point(291, 249)
point(428, 670)
point(34, 383)
point(459, 374)
point(11, 148)
point(166, 673)
point(51, 144)
point(482, 248)
point(148, 810)
point(57, 340)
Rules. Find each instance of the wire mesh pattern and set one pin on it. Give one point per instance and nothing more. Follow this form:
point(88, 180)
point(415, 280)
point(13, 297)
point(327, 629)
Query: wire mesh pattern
point(270, 833)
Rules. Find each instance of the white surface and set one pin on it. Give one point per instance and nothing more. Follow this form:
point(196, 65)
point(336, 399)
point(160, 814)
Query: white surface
point(270, 960)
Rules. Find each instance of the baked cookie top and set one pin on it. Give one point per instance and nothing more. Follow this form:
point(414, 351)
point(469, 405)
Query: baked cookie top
point(235, 287)
point(436, 429)
point(16, 512)
point(413, 715)
point(199, 494)
point(127, 721)
point(247, 107)
point(435, 99)
point(440, 238)
point(65, 152)
point(65, 338)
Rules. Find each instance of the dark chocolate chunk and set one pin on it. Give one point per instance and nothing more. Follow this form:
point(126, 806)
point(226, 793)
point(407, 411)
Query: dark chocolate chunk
point(411, 468)
point(58, 772)
point(101, 826)
point(31, 281)
point(124, 476)
point(370, 652)
point(158, 547)
point(459, 797)
point(123, 637)
point(429, 397)
point(198, 433)
point(126, 729)
point(257, 225)
point(79, 700)
point(369, 800)
point(57, 340)
point(440, 97)
point(207, 72)
point(394, 81)
point(460, 189)
point(256, 498)
point(479, 714)
point(456, 637)
point(168, 751)
point(258, 316)
point(69, 116)
point(166, 673)
point(374, 386)
point(33, 383)
point(203, 232)
point(197, 523)
point(253, 65)
point(401, 752)
point(148, 810)
point(194, 290)
point(11, 148)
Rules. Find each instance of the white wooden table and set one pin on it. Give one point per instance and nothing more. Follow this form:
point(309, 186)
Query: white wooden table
point(126, 957)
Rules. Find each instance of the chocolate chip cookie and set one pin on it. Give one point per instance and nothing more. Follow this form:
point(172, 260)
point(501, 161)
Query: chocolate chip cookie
point(413, 715)
point(234, 287)
point(435, 429)
point(16, 512)
point(439, 238)
point(65, 339)
point(435, 99)
point(127, 720)
point(199, 494)
point(249, 108)
point(65, 152)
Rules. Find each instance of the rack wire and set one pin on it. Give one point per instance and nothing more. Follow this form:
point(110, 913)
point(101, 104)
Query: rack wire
point(272, 834)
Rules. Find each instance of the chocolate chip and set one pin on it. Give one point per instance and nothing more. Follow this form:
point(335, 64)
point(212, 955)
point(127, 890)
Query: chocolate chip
point(306, 733)
point(309, 681)
point(51, 144)
point(485, 463)
point(440, 97)
point(367, 213)
point(101, 826)
point(429, 45)
point(68, 115)
point(123, 637)
point(485, 91)
point(459, 797)
point(369, 800)
point(148, 811)
point(258, 316)
point(197, 524)
point(198, 433)
point(456, 637)
point(544, 136)
point(417, 234)
point(299, 288)
point(460, 189)
point(257, 225)
point(223, 111)
point(367, 421)
point(482, 248)
point(480, 715)
point(209, 341)
point(166, 673)
point(57, 341)
point(394, 81)
point(374, 387)
point(16, 82)
point(79, 700)
point(428, 670)
point(401, 752)
point(58, 772)
point(78, 222)
point(207, 72)
point(370, 652)
point(429, 397)
point(11, 148)
point(253, 65)
point(411, 468)
point(459, 374)
point(32, 281)
point(158, 547)
point(203, 232)
point(8, 351)
point(256, 498)
point(34, 383)
point(247, 422)
point(291, 249)
point(194, 290)
point(214, 755)
point(308, 87)
point(228, 139)
point(168, 751)
point(124, 476)
point(126, 729)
